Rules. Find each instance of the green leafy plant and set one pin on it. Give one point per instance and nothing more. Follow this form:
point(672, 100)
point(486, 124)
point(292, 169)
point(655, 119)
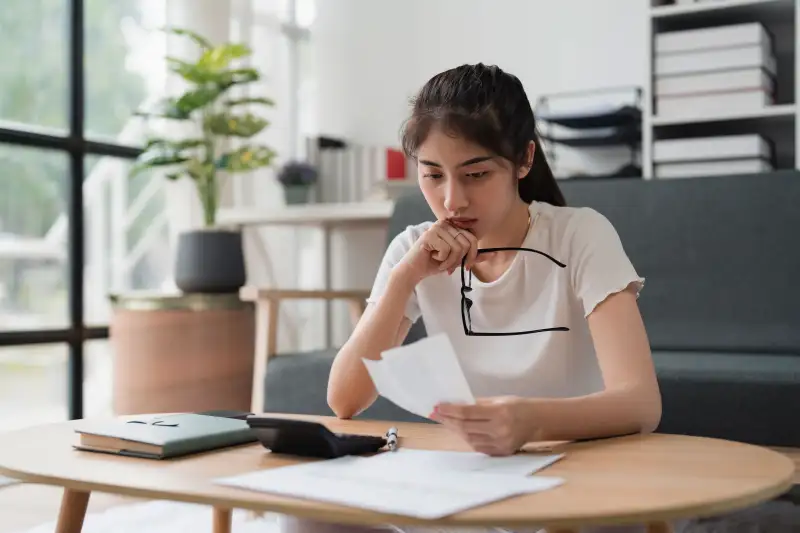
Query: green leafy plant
point(218, 117)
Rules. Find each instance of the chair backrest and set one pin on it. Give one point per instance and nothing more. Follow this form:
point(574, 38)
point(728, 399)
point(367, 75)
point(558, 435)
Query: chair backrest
point(720, 255)
point(409, 210)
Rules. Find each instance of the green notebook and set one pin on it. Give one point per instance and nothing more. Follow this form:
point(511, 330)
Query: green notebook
point(162, 437)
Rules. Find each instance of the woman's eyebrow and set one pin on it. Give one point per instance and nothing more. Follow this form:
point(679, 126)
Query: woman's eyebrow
point(463, 164)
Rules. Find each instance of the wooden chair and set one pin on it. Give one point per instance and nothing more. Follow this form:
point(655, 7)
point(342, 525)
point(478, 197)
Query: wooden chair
point(267, 303)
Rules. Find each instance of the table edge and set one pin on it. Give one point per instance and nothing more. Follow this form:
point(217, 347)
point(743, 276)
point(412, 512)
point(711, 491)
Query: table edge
point(357, 516)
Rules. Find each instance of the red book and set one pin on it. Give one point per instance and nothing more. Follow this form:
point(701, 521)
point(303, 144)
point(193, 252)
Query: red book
point(395, 164)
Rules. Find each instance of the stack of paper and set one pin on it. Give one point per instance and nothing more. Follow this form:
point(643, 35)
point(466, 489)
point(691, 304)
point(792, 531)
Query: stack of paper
point(434, 462)
point(420, 375)
point(422, 484)
point(7, 481)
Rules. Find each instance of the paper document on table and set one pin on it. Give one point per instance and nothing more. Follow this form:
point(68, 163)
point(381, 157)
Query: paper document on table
point(8, 481)
point(356, 482)
point(420, 375)
point(435, 462)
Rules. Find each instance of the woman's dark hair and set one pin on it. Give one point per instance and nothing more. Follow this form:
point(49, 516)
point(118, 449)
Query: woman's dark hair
point(488, 107)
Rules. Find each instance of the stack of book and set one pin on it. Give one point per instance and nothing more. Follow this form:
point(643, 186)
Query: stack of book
point(712, 156)
point(714, 71)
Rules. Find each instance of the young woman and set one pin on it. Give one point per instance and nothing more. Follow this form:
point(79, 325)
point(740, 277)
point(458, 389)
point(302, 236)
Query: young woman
point(577, 364)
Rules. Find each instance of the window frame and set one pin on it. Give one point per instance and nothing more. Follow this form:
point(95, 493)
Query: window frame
point(296, 34)
point(77, 146)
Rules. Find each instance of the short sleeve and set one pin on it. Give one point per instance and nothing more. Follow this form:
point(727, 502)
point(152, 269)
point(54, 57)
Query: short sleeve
point(599, 265)
point(395, 252)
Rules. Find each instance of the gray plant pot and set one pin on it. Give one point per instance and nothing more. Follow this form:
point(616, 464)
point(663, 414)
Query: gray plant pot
point(210, 261)
point(296, 194)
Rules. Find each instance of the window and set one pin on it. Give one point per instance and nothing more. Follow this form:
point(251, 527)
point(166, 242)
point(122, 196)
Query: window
point(124, 65)
point(73, 74)
point(125, 234)
point(73, 226)
point(279, 33)
point(306, 11)
point(33, 72)
point(33, 264)
point(32, 385)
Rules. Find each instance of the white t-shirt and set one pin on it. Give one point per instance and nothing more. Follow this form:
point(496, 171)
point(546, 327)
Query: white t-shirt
point(532, 293)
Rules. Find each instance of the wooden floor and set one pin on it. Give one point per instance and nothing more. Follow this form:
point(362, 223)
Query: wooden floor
point(25, 506)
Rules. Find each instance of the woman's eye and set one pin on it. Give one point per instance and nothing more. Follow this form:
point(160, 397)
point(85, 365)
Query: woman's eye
point(433, 175)
point(480, 174)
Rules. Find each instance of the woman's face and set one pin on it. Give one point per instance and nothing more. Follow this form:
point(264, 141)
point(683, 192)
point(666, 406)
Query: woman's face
point(465, 183)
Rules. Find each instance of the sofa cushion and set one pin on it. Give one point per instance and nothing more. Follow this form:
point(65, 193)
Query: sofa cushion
point(410, 210)
point(298, 383)
point(744, 397)
point(747, 397)
point(719, 254)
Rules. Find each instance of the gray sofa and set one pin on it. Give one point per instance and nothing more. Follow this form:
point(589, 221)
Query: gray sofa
point(721, 302)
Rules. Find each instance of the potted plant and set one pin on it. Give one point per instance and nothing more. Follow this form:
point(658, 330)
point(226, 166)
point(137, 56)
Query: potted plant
point(209, 259)
point(297, 179)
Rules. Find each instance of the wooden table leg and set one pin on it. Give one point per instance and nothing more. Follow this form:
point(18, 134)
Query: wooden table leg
point(222, 520)
point(73, 510)
point(659, 527)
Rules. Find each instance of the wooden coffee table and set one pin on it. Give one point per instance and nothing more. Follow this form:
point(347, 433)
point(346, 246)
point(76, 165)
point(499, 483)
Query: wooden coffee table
point(644, 479)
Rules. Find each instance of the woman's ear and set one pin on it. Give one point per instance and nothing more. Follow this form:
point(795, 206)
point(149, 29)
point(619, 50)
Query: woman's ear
point(530, 153)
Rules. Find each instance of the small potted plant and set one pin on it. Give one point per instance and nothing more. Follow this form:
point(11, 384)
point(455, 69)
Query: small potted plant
point(297, 179)
point(209, 259)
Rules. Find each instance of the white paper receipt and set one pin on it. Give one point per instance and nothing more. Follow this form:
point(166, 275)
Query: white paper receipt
point(376, 486)
point(8, 481)
point(420, 375)
point(434, 462)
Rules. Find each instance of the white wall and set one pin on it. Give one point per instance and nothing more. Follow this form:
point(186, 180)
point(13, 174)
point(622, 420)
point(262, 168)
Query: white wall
point(371, 56)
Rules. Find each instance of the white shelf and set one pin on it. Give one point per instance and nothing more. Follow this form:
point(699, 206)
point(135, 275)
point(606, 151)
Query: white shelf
point(307, 214)
point(777, 111)
point(779, 123)
point(743, 7)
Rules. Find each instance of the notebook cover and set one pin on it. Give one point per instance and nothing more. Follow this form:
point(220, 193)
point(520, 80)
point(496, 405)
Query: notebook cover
point(178, 434)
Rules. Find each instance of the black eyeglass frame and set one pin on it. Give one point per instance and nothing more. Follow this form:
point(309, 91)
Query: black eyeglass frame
point(466, 303)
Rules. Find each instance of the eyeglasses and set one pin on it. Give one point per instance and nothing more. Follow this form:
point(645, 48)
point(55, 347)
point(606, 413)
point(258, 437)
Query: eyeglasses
point(466, 303)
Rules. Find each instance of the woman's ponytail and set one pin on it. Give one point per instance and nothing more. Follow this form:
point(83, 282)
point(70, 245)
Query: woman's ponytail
point(539, 184)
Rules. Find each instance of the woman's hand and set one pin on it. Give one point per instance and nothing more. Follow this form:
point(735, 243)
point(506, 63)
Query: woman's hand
point(441, 248)
point(494, 426)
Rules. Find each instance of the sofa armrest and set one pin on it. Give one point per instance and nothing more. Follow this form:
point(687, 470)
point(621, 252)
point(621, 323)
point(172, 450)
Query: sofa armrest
point(267, 303)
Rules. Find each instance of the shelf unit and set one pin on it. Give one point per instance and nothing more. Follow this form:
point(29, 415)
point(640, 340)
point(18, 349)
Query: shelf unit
point(599, 129)
point(776, 121)
point(746, 8)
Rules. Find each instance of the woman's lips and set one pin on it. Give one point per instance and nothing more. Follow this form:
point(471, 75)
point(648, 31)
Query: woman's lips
point(464, 223)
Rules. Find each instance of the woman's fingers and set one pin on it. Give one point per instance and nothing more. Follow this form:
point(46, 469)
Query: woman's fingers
point(468, 243)
point(471, 242)
point(478, 441)
point(479, 430)
point(439, 248)
point(458, 247)
point(450, 245)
